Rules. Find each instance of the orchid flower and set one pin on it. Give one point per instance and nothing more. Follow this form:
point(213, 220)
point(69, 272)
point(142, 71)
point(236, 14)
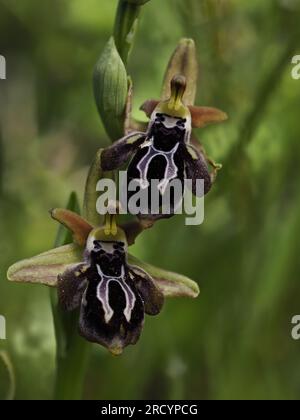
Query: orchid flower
point(96, 275)
point(166, 151)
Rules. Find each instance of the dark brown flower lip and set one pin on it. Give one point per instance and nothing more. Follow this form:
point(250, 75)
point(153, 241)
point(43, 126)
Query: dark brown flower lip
point(112, 298)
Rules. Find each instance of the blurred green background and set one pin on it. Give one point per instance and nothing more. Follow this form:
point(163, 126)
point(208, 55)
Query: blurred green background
point(234, 341)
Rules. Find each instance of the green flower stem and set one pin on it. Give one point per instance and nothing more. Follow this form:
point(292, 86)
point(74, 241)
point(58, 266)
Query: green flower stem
point(4, 357)
point(125, 27)
point(72, 354)
point(1, 163)
point(90, 194)
point(72, 351)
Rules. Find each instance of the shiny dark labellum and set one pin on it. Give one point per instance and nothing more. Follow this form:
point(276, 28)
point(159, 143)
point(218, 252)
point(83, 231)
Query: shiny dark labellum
point(112, 295)
point(163, 154)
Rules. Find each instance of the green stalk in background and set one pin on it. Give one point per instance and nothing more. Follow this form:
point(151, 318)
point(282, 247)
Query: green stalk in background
point(5, 359)
point(125, 26)
point(71, 350)
point(1, 163)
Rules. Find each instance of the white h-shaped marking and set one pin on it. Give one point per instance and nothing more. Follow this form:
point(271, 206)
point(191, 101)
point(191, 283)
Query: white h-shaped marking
point(103, 295)
point(170, 171)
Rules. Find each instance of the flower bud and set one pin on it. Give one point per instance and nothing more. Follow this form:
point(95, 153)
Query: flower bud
point(110, 90)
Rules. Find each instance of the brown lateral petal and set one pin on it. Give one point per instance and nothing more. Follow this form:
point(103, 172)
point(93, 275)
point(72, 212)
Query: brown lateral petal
point(149, 106)
point(75, 223)
point(202, 115)
point(132, 230)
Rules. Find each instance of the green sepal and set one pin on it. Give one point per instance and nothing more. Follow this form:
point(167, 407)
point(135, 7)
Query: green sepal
point(171, 284)
point(183, 62)
point(44, 268)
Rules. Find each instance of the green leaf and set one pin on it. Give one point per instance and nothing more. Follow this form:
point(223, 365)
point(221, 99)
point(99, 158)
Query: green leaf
point(44, 268)
point(171, 284)
point(110, 90)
